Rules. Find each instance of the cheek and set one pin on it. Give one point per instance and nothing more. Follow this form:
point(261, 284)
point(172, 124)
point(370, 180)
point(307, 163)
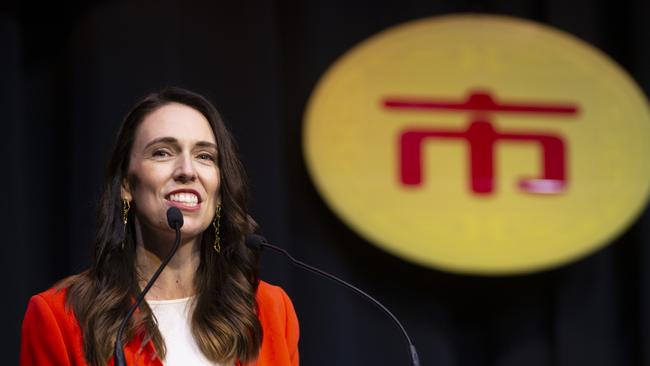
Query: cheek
point(212, 183)
point(217, 184)
point(147, 182)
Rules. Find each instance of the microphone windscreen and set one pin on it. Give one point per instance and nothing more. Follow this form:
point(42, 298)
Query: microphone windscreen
point(254, 242)
point(174, 218)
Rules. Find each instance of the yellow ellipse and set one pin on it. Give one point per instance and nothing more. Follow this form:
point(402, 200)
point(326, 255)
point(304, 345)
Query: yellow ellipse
point(562, 184)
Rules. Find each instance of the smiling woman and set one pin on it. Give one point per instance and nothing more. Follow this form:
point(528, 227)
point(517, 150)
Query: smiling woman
point(173, 162)
point(208, 307)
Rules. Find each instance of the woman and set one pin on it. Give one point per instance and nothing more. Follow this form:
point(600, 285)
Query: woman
point(208, 307)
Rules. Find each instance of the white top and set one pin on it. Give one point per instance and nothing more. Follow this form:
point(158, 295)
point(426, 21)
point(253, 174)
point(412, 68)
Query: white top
point(174, 324)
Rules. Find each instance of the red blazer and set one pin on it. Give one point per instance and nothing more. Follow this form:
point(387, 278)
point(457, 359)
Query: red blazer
point(51, 335)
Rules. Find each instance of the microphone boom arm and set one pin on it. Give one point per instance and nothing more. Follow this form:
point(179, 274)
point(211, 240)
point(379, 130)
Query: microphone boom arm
point(175, 220)
point(415, 360)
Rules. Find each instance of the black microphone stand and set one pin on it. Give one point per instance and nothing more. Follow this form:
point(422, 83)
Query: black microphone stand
point(259, 242)
point(176, 224)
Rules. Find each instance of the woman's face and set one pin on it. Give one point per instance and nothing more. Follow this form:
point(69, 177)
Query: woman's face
point(173, 162)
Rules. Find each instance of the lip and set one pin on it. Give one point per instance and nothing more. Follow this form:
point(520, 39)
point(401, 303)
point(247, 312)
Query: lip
point(181, 205)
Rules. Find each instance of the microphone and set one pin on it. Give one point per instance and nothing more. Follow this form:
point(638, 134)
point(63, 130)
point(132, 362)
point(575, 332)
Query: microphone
point(174, 218)
point(175, 221)
point(258, 242)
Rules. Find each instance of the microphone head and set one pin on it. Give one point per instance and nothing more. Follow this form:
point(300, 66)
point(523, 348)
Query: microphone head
point(174, 218)
point(254, 242)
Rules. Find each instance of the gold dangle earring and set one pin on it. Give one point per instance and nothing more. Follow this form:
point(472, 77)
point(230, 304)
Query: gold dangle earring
point(216, 223)
point(126, 206)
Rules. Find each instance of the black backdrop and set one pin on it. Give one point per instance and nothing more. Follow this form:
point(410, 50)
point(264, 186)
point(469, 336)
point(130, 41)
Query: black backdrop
point(69, 71)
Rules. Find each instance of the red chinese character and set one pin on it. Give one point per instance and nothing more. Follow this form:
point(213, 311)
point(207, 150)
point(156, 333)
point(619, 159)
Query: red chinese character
point(481, 138)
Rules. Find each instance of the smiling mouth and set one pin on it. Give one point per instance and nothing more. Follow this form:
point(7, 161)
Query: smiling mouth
point(187, 199)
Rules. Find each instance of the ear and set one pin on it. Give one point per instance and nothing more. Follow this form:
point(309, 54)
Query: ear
point(125, 190)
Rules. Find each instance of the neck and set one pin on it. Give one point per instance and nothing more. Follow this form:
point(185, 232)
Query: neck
point(177, 279)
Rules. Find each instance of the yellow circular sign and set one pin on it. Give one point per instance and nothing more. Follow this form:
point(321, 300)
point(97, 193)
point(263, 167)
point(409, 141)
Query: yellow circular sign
point(480, 144)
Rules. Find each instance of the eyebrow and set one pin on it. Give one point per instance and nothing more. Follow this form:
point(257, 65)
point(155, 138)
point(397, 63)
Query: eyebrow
point(174, 141)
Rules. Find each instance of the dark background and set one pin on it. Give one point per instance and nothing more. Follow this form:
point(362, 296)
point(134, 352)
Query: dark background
point(69, 71)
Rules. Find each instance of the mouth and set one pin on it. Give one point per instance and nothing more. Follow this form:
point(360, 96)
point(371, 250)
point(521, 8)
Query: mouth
point(184, 198)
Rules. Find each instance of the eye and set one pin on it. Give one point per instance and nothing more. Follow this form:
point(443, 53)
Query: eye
point(206, 156)
point(161, 153)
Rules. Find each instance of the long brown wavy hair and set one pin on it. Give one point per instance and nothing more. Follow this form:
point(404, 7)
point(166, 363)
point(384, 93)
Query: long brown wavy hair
point(224, 321)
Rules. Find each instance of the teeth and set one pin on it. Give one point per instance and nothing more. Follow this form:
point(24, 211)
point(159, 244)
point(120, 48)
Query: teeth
point(186, 198)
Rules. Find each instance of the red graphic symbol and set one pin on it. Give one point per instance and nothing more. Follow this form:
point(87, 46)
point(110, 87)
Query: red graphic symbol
point(481, 138)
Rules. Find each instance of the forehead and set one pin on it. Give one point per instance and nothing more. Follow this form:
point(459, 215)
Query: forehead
point(176, 120)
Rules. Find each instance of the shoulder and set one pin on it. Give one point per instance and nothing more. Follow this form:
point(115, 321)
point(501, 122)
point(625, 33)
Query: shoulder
point(273, 301)
point(51, 308)
point(50, 333)
point(274, 304)
point(271, 295)
point(52, 300)
point(280, 325)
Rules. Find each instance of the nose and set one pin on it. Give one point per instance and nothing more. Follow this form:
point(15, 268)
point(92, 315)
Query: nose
point(184, 170)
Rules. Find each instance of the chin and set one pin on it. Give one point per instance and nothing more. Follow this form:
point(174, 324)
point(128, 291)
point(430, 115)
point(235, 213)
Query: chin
point(192, 229)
